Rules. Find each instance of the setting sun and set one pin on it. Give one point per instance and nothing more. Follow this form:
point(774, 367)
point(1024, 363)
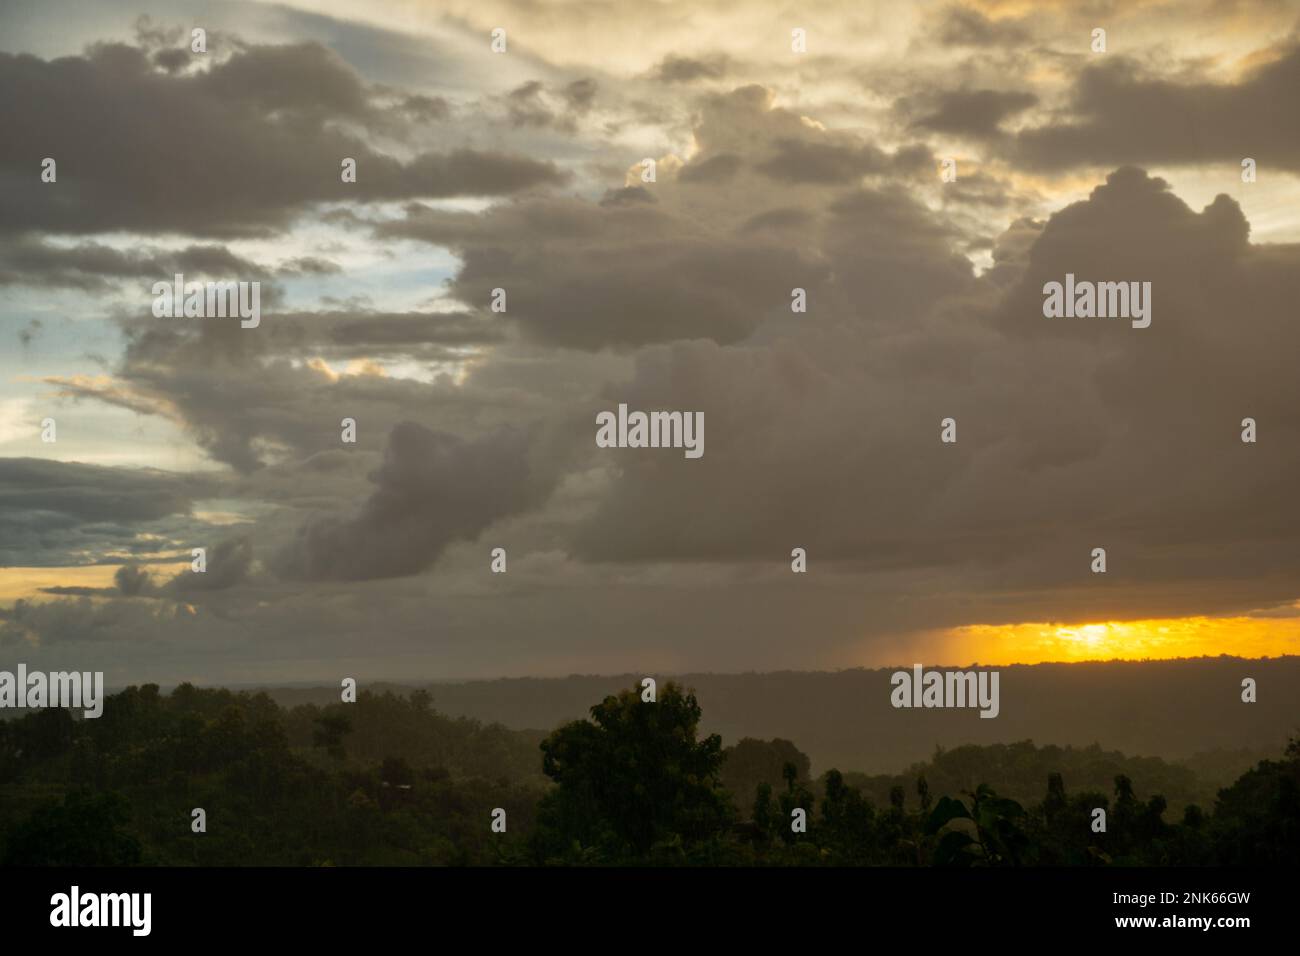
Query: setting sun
point(1159, 638)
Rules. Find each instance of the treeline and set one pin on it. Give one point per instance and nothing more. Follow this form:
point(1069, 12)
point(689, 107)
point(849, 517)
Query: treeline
point(389, 780)
point(384, 781)
point(637, 783)
point(1019, 770)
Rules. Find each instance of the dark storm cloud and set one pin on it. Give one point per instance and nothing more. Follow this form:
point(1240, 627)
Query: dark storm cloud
point(251, 397)
point(890, 257)
point(131, 580)
point(88, 493)
point(433, 488)
point(822, 427)
point(1117, 114)
point(1072, 433)
point(976, 113)
point(584, 275)
point(648, 265)
point(54, 512)
point(580, 274)
point(227, 565)
point(251, 143)
point(115, 627)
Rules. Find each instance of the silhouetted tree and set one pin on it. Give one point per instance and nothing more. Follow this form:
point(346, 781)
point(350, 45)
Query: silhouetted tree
point(634, 775)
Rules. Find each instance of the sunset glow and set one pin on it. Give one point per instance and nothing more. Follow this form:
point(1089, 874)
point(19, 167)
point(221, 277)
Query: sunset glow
point(1159, 638)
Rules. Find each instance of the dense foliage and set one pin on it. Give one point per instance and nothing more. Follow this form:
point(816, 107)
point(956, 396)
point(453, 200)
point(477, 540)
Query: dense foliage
point(390, 781)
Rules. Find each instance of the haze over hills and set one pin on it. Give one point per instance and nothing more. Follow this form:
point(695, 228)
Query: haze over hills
point(1174, 709)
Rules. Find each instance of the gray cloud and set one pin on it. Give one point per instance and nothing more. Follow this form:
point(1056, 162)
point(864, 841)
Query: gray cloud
point(822, 427)
point(976, 113)
point(715, 169)
point(432, 488)
point(963, 26)
point(1036, 479)
point(93, 266)
point(227, 565)
point(685, 69)
point(252, 142)
point(89, 493)
point(799, 161)
point(583, 275)
point(54, 512)
point(1119, 115)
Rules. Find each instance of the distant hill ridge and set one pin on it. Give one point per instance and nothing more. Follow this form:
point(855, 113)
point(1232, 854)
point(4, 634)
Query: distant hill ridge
point(1173, 709)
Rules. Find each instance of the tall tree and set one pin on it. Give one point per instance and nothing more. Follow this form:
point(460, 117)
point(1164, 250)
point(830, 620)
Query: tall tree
point(635, 775)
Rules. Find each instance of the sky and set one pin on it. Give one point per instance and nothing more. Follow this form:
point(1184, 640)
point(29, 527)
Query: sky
point(819, 160)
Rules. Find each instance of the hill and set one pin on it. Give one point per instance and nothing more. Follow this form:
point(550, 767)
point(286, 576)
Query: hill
point(1178, 710)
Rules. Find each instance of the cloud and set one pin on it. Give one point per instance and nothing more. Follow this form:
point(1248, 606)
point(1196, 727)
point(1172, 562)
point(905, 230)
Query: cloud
point(252, 397)
point(963, 26)
point(1118, 114)
point(89, 493)
point(580, 94)
point(715, 169)
point(94, 267)
point(432, 488)
point(685, 69)
point(1072, 433)
point(976, 113)
point(829, 163)
point(774, 172)
point(590, 276)
point(114, 627)
point(227, 564)
point(131, 580)
point(672, 260)
point(252, 143)
point(54, 512)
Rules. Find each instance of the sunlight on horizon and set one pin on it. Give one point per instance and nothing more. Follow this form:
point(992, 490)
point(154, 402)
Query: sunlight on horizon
point(1153, 639)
